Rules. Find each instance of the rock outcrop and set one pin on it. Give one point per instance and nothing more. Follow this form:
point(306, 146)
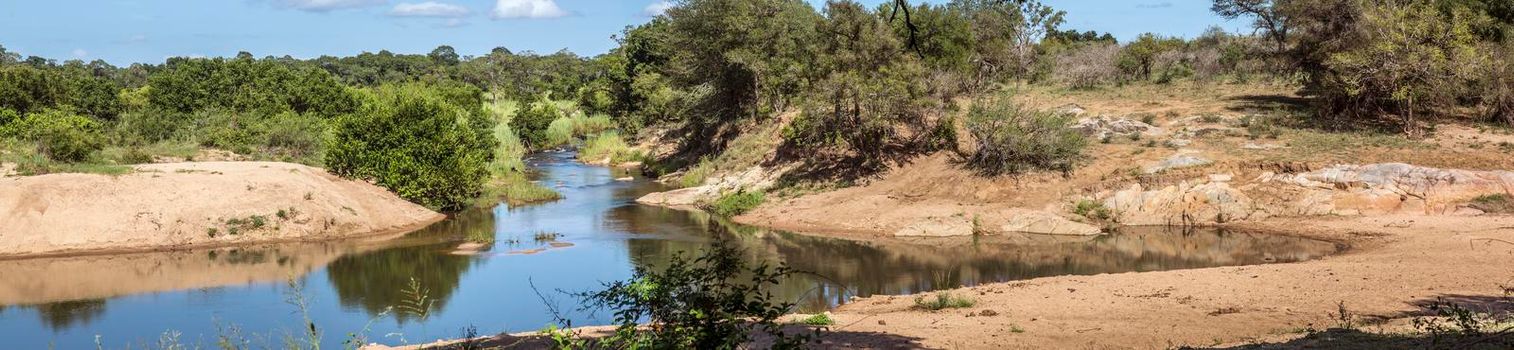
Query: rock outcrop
point(1373, 189)
point(753, 179)
point(1104, 126)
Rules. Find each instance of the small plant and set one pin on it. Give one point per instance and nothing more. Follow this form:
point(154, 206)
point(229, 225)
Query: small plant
point(1092, 210)
point(943, 300)
point(714, 301)
point(417, 300)
point(820, 319)
point(545, 236)
point(212, 232)
point(1014, 328)
point(1013, 140)
point(1343, 317)
point(282, 214)
point(1494, 203)
point(562, 338)
point(737, 203)
point(1148, 118)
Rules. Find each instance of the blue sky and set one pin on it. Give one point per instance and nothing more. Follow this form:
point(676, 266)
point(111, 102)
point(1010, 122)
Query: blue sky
point(126, 31)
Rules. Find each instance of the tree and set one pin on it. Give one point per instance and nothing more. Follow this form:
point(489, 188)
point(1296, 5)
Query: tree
point(1269, 19)
point(867, 92)
point(415, 143)
point(1137, 58)
point(444, 55)
point(59, 135)
point(1407, 60)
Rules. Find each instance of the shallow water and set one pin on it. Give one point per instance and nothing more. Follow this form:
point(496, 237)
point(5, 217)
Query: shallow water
point(138, 299)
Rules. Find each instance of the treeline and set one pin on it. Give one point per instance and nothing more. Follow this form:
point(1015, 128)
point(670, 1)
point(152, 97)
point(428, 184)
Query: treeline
point(416, 124)
point(874, 85)
point(1364, 60)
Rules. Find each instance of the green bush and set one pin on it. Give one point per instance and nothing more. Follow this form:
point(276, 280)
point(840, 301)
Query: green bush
point(820, 319)
point(608, 145)
point(1092, 210)
point(1013, 139)
point(58, 135)
point(737, 203)
point(532, 121)
point(415, 143)
point(1494, 203)
point(714, 301)
point(943, 300)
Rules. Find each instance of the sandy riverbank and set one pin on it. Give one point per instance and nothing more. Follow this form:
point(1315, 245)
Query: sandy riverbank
point(1395, 268)
point(184, 205)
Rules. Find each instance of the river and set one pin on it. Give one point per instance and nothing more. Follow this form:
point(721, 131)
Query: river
point(601, 235)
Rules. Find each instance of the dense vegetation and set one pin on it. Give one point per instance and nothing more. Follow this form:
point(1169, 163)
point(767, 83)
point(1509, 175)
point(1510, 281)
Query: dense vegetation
point(855, 89)
point(416, 124)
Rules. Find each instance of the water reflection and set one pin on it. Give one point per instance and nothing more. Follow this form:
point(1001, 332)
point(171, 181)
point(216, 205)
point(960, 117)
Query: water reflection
point(65, 301)
point(64, 314)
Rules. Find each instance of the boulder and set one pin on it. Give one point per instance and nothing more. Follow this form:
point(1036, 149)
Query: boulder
point(1032, 221)
point(1177, 161)
point(1104, 126)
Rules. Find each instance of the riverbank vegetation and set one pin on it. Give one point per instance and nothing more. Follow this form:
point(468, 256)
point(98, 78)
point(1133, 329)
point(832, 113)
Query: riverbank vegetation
point(855, 89)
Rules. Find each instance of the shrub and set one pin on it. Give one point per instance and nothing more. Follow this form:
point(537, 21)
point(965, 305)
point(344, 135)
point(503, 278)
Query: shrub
point(416, 144)
point(1092, 210)
point(820, 319)
point(292, 137)
point(532, 122)
point(1404, 60)
point(1012, 139)
point(737, 203)
point(608, 146)
point(943, 300)
point(1088, 66)
point(58, 135)
point(714, 301)
point(1494, 203)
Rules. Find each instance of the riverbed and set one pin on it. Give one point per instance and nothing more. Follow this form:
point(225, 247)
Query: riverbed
point(504, 269)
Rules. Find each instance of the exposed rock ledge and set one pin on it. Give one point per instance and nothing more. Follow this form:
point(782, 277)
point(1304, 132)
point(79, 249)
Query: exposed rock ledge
point(1348, 190)
point(167, 206)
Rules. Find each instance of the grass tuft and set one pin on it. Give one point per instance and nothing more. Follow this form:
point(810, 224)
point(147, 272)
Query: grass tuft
point(943, 300)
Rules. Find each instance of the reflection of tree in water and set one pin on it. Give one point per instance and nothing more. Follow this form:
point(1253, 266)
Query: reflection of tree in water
point(844, 268)
point(61, 315)
point(377, 281)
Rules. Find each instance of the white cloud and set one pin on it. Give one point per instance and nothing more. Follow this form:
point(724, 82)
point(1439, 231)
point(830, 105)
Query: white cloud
point(527, 9)
point(327, 5)
point(80, 53)
point(429, 9)
point(657, 8)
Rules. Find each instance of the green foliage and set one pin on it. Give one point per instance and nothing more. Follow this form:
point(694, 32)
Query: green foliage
point(532, 122)
point(943, 300)
point(57, 135)
point(869, 92)
point(737, 203)
point(27, 89)
point(820, 319)
point(608, 146)
point(1138, 58)
point(247, 85)
point(714, 301)
point(1494, 203)
point(415, 143)
point(1012, 139)
point(1092, 210)
point(1407, 60)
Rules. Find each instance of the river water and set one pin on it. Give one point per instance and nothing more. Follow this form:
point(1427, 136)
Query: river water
point(419, 287)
